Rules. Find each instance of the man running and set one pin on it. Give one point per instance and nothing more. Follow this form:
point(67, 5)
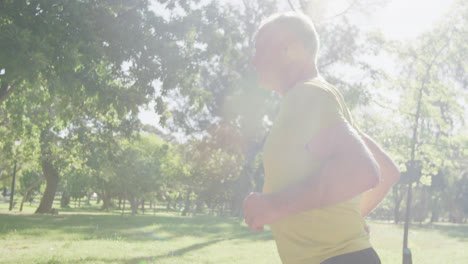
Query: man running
point(321, 174)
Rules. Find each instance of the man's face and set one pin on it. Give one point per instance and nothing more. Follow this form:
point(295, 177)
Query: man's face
point(267, 59)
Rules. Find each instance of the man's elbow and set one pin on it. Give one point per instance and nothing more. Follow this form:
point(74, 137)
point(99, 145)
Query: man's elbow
point(372, 175)
point(394, 175)
point(390, 174)
point(382, 175)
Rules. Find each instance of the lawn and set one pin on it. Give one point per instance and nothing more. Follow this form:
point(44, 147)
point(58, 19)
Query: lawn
point(93, 237)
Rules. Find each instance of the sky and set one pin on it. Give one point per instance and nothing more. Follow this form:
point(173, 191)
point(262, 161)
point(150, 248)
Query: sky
point(398, 20)
point(406, 19)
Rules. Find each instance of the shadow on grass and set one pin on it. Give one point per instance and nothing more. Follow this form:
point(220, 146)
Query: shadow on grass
point(141, 260)
point(209, 229)
point(175, 253)
point(181, 251)
point(128, 228)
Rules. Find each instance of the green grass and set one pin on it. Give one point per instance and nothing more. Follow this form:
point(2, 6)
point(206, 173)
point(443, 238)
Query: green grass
point(95, 237)
point(165, 238)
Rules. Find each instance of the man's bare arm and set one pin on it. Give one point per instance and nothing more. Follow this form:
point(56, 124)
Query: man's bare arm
point(389, 176)
point(349, 169)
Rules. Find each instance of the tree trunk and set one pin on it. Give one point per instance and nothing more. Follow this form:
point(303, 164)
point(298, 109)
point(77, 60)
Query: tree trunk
point(143, 206)
point(52, 179)
point(50, 173)
point(22, 201)
point(187, 203)
point(456, 212)
point(88, 201)
point(396, 214)
point(168, 206)
point(106, 202)
point(435, 216)
point(12, 194)
point(198, 208)
point(134, 204)
point(123, 206)
point(65, 200)
point(435, 209)
point(221, 209)
point(25, 195)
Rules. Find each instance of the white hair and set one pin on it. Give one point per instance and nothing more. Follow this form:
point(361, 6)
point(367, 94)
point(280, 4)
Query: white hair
point(300, 25)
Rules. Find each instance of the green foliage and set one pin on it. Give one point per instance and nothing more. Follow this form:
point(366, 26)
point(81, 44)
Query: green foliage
point(28, 179)
point(78, 70)
point(138, 165)
point(77, 183)
point(430, 70)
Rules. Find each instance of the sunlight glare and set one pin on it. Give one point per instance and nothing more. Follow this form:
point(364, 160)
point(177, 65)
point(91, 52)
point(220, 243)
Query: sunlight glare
point(403, 19)
point(397, 19)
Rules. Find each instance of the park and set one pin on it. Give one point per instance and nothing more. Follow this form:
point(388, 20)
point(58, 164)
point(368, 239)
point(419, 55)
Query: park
point(133, 131)
point(87, 235)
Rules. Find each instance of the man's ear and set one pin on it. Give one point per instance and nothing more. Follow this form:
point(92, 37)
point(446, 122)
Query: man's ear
point(296, 51)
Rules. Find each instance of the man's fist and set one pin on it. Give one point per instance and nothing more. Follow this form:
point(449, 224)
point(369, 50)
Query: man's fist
point(259, 210)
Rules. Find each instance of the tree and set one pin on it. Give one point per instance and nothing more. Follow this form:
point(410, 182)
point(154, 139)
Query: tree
point(72, 64)
point(434, 68)
point(30, 183)
point(429, 79)
point(138, 168)
point(77, 184)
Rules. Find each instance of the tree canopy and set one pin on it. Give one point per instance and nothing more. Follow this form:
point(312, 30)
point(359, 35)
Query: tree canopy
point(74, 76)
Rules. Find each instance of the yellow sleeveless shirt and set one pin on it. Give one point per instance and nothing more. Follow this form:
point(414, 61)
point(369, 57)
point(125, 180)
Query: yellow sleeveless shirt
point(315, 235)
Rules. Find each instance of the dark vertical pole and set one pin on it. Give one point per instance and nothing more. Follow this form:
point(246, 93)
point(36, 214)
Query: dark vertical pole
point(407, 259)
point(12, 194)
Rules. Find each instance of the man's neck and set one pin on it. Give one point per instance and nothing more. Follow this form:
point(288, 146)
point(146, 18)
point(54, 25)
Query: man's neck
point(307, 74)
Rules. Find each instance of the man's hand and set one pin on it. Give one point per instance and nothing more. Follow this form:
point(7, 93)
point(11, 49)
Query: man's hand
point(367, 228)
point(259, 210)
